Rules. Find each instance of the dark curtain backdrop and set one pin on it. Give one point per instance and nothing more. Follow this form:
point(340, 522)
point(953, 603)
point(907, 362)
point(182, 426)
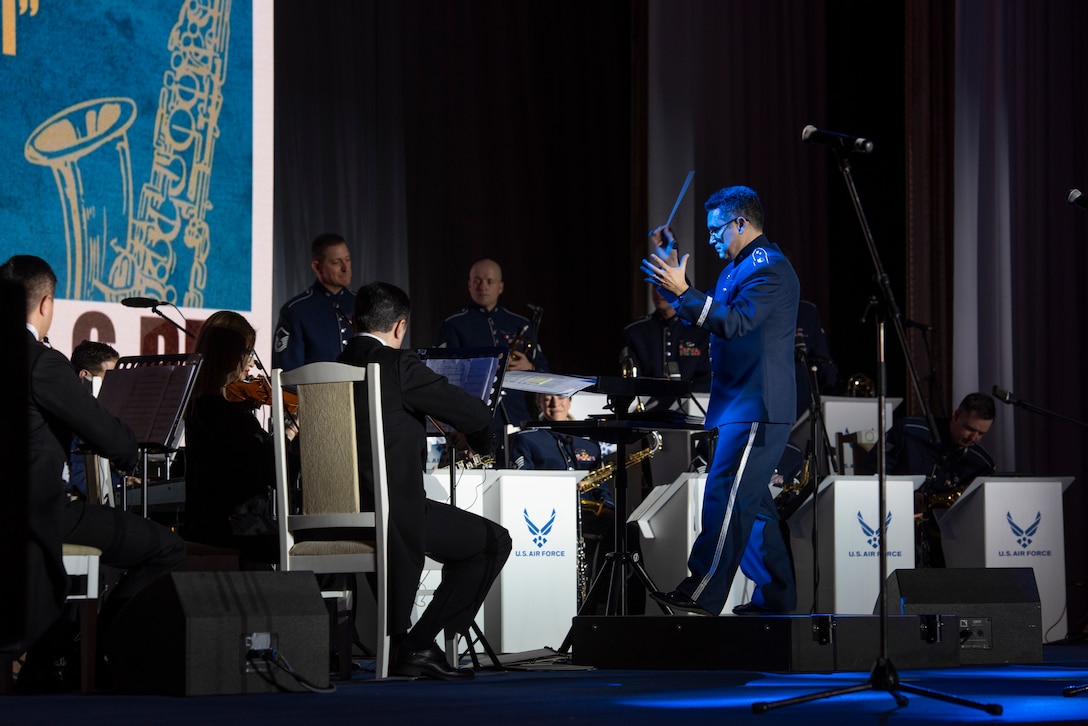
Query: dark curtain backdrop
point(553, 136)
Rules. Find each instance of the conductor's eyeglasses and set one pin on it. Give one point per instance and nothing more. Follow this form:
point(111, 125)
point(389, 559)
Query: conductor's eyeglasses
point(721, 230)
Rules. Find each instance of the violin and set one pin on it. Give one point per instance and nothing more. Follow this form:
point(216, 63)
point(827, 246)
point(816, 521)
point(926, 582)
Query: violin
point(257, 391)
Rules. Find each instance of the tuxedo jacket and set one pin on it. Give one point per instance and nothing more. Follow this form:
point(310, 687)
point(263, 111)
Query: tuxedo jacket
point(58, 406)
point(410, 392)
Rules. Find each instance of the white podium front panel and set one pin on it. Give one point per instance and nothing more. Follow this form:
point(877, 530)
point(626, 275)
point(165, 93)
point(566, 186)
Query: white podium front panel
point(847, 519)
point(531, 604)
point(1013, 522)
point(669, 519)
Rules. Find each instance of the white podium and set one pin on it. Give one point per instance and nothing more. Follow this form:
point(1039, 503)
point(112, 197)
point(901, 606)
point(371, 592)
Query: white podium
point(847, 531)
point(1013, 522)
point(669, 519)
point(531, 604)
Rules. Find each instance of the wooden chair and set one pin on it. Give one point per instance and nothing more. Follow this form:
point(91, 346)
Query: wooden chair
point(330, 484)
point(81, 564)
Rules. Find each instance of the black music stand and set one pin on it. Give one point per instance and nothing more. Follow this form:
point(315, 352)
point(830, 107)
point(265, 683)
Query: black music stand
point(150, 393)
point(479, 371)
point(623, 428)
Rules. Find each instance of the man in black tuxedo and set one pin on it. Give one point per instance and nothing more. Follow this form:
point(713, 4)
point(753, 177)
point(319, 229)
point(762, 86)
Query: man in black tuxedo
point(59, 406)
point(472, 549)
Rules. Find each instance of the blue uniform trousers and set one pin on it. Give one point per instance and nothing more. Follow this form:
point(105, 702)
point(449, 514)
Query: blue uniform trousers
point(740, 522)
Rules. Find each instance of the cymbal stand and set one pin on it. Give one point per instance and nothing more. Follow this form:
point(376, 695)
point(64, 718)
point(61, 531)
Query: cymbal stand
point(883, 675)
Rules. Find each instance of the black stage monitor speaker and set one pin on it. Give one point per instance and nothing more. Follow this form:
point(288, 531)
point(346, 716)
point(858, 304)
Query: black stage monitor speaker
point(191, 634)
point(998, 610)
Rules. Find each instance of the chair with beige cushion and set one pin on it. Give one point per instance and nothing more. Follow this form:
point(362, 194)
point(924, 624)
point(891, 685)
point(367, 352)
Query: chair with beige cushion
point(330, 483)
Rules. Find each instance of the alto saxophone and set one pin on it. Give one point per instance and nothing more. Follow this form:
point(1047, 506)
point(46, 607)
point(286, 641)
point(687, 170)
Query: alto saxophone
point(595, 478)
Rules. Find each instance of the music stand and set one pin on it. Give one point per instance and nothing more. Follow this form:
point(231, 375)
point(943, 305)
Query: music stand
point(149, 393)
point(623, 428)
point(479, 372)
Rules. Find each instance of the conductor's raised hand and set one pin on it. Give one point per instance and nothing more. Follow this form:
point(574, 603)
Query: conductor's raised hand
point(664, 244)
point(669, 277)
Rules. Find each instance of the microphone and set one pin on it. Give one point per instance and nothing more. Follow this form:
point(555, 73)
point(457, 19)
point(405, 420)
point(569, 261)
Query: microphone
point(1004, 396)
point(844, 142)
point(1077, 199)
point(141, 302)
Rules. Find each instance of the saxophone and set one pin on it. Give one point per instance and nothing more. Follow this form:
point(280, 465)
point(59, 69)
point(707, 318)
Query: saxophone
point(595, 478)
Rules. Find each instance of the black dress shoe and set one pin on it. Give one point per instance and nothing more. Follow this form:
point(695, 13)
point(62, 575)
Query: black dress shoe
point(750, 608)
point(677, 600)
point(428, 663)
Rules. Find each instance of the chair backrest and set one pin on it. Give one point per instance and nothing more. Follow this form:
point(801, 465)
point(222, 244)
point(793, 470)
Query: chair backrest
point(329, 459)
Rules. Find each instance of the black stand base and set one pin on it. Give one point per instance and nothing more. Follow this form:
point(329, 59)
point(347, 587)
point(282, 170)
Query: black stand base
point(474, 636)
point(883, 677)
point(610, 588)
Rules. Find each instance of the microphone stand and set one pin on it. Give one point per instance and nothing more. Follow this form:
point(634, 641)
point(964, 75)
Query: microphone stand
point(1006, 397)
point(883, 675)
point(155, 309)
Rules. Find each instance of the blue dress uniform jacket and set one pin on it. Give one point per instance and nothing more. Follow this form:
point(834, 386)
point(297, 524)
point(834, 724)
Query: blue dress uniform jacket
point(476, 327)
point(314, 325)
point(653, 341)
point(551, 451)
point(752, 317)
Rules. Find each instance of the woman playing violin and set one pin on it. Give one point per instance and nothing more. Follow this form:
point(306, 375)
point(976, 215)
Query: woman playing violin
point(230, 472)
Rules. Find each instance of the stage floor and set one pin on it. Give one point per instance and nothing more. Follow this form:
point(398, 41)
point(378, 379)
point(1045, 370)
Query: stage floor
point(551, 693)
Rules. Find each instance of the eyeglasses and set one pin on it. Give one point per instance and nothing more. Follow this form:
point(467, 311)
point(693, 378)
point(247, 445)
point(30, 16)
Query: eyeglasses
point(721, 230)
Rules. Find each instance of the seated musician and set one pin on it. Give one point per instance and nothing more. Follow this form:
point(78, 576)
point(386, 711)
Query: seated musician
point(949, 465)
point(230, 463)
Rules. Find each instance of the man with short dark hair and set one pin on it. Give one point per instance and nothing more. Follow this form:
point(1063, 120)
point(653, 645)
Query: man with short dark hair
point(315, 325)
point(91, 359)
point(949, 465)
point(58, 407)
point(472, 549)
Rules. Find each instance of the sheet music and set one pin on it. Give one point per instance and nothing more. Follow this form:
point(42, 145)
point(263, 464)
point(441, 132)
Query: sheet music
point(553, 383)
point(149, 399)
point(475, 375)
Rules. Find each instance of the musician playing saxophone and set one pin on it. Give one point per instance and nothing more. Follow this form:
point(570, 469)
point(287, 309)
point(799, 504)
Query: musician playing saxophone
point(949, 465)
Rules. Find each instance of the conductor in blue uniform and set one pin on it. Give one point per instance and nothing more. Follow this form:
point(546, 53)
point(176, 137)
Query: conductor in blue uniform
point(751, 314)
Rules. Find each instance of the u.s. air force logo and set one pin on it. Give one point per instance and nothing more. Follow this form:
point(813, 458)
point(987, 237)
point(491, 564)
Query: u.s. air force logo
point(872, 534)
point(872, 538)
point(1024, 534)
point(1024, 537)
point(540, 532)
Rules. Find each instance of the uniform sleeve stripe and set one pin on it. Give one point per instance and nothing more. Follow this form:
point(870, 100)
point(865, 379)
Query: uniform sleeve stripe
point(705, 311)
